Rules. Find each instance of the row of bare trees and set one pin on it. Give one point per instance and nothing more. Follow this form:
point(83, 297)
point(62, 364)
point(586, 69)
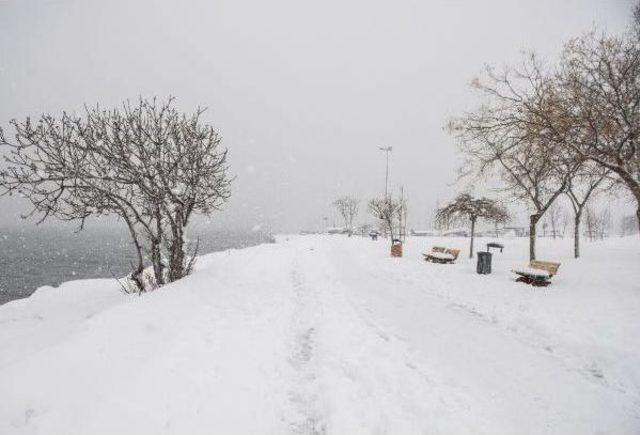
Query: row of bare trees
point(571, 128)
point(146, 163)
point(391, 212)
point(596, 222)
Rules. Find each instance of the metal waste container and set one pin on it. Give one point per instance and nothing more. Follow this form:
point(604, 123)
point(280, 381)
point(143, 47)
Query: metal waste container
point(484, 263)
point(396, 248)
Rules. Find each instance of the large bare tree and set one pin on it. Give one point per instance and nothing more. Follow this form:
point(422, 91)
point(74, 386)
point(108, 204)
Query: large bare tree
point(505, 137)
point(146, 163)
point(600, 77)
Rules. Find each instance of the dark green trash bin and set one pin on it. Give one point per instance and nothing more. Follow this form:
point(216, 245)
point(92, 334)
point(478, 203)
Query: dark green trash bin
point(484, 263)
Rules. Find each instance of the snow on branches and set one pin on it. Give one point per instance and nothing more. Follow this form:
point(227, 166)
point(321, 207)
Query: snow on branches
point(147, 163)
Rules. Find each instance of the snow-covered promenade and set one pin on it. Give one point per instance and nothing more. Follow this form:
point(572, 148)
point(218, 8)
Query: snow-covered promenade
point(321, 334)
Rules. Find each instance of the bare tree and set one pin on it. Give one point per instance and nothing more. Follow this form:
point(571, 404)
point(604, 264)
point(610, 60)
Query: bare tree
point(600, 76)
point(387, 209)
point(628, 226)
point(564, 222)
point(591, 221)
point(605, 222)
point(553, 218)
point(465, 208)
point(580, 190)
point(597, 222)
point(147, 164)
point(506, 137)
point(347, 207)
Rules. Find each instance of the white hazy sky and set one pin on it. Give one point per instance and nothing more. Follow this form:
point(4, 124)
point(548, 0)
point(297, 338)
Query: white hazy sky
point(303, 92)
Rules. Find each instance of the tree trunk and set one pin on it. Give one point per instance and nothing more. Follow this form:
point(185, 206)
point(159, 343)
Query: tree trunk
point(156, 250)
point(533, 220)
point(390, 227)
point(136, 275)
point(634, 187)
point(176, 264)
point(576, 234)
point(156, 260)
point(473, 230)
point(176, 254)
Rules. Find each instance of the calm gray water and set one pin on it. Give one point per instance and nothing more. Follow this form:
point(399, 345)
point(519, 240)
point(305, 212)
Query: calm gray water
point(32, 257)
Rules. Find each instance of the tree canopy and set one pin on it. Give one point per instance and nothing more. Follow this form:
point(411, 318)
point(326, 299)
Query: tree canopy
point(146, 163)
point(465, 208)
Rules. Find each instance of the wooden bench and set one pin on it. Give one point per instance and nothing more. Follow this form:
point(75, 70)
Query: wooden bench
point(442, 255)
point(538, 273)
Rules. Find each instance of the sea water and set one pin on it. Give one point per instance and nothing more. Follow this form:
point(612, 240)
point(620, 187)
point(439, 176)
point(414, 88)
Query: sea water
point(31, 257)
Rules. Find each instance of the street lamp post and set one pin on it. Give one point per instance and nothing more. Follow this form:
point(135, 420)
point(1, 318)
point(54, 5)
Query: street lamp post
point(387, 150)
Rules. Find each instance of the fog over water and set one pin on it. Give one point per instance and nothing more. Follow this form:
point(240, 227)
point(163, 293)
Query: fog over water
point(303, 93)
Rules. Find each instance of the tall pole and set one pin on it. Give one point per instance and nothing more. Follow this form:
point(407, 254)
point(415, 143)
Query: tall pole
point(387, 150)
point(386, 178)
point(403, 216)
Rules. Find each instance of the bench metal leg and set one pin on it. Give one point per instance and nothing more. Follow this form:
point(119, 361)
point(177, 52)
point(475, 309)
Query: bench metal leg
point(533, 282)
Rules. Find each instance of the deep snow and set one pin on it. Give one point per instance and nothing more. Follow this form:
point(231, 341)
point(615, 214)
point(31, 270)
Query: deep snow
point(328, 334)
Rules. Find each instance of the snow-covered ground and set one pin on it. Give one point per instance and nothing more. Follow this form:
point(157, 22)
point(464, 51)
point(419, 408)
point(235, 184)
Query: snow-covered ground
point(328, 334)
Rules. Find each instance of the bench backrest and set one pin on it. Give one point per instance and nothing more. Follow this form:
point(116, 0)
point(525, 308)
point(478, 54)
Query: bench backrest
point(453, 252)
point(549, 266)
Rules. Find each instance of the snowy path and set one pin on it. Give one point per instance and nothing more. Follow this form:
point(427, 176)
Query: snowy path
point(400, 359)
point(316, 336)
point(505, 384)
point(364, 380)
point(305, 415)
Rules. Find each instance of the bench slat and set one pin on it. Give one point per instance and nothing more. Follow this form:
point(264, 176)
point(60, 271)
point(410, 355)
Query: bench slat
point(549, 266)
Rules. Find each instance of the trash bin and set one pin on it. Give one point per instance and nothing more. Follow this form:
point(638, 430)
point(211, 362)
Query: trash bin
point(484, 263)
point(396, 248)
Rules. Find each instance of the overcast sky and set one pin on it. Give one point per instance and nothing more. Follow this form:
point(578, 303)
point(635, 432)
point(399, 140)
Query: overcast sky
point(303, 92)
